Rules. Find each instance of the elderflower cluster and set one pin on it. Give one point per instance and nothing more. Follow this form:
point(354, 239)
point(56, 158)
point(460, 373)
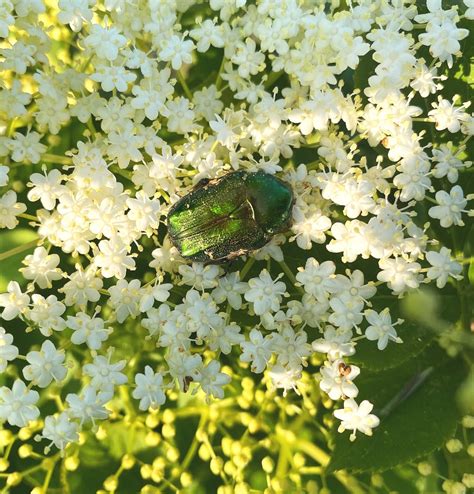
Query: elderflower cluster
point(118, 126)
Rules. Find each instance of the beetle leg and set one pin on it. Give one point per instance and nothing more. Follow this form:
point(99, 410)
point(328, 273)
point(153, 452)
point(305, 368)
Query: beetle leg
point(203, 182)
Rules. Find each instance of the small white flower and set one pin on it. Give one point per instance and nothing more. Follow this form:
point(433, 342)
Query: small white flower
point(212, 380)
point(83, 286)
point(183, 367)
point(144, 212)
point(350, 238)
point(149, 389)
point(446, 115)
point(75, 13)
point(231, 289)
point(177, 50)
point(356, 418)
point(113, 77)
point(26, 147)
point(201, 311)
point(89, 330)
point(180, 116)
point(199, 276)
point(309, 228)
point(442, 36)
point(337, 379)
point(105, 42)
point(206, 34)
point(442, 267)
point(381, 328)
point(46, 188)
point(104, 374)
point(60, 430)
point(348, 311)
point(451, 206)
point(46, 313)
point(249, 60)
point(45, 365)
point(89, 405)
point(258, 351)
point(224, 131)
point(265, 293)
point(42, 268)
point(17, 405)
point(4, 175)
point(336, 343)
point(207, 102)
point(222, 338)
point(152, 93)
point(8, 351)
point(114, 259)
point(156, 318)
point(400, 274)
point(14, 302)
point(159, 292)
point(9, 210)
point(285, 378)
point(316, 278)
point(448, 162)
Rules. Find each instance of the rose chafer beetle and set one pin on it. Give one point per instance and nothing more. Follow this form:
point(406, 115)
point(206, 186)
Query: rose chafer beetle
point(226, 217)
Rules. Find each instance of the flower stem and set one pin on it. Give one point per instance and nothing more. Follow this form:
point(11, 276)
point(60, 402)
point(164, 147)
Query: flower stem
point(184, 85)
point(194, 445)
point(218, 76)
point(55, 158)
point(248, 264)
point(291, 276)
point(18, 250)
point(28, 217)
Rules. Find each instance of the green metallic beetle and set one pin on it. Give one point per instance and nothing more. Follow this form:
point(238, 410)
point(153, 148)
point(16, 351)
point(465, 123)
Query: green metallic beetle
point(226, 217)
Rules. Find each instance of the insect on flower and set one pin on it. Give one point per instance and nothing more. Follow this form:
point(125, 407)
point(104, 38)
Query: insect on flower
point(226, 217)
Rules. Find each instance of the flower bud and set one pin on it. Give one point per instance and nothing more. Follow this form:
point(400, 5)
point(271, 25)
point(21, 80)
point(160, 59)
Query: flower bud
point(216, 465)
point(25, 450)
point(128, 461)
point(424, 468)
point(111, 483)
point(14, 479)
point(468, 421)
point(186, 479)
point(454, 445)
point(268, 465)
point(71, 463)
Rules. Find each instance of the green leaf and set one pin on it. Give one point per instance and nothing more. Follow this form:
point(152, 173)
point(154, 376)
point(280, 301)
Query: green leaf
point(416, 426)
point(93, 453)
point(121, 440)
point(415, 340)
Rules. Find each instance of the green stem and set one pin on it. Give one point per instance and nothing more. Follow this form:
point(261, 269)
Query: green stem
point(218, 76)
point(274, 76)
point(55, 158)
point(18, 250)
point(170, 485)
point(47, 479)
point(291, 276)
point(184, 85)
point(28, 217)
point(248, 264)
point(91, 127)
point(194, 445)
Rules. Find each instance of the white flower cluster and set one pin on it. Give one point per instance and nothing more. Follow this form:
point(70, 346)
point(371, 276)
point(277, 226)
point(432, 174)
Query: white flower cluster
point(149, 135)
